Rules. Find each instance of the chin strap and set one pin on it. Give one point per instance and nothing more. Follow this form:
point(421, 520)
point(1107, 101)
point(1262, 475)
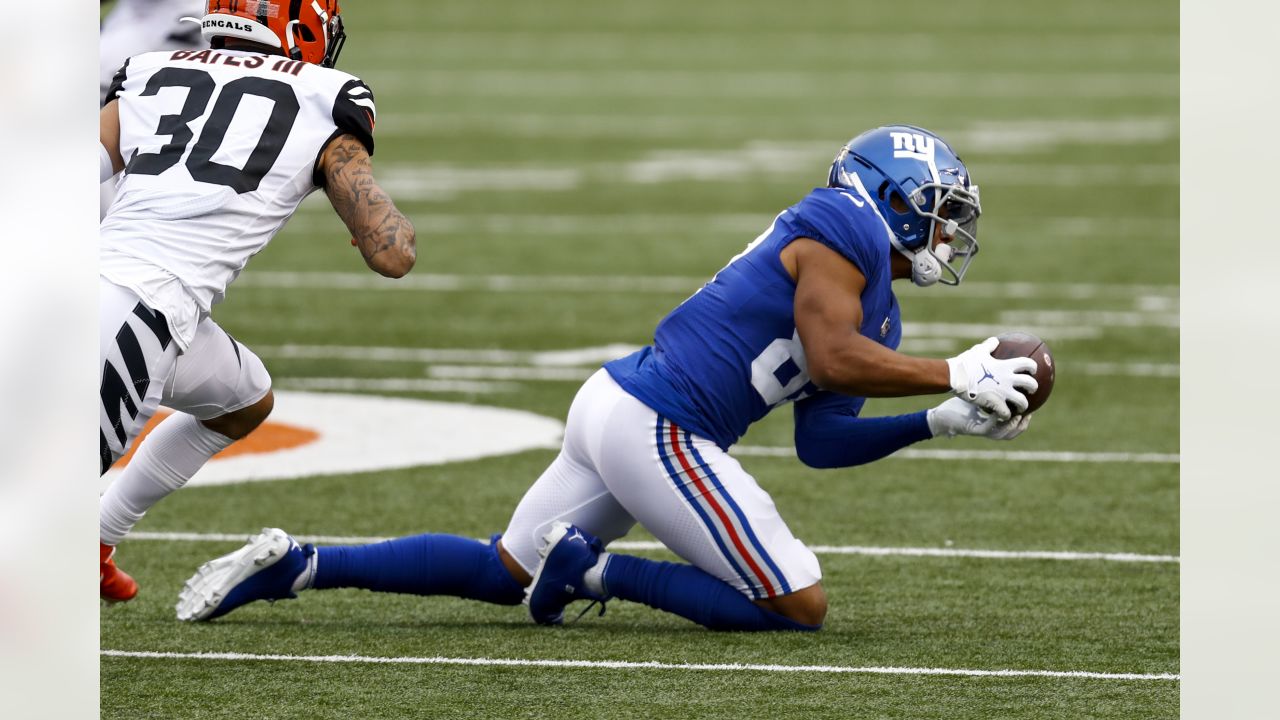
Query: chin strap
point(290, 48)
point(926, 266)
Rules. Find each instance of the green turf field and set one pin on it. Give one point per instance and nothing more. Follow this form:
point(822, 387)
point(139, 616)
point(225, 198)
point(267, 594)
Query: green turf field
point(577, 169)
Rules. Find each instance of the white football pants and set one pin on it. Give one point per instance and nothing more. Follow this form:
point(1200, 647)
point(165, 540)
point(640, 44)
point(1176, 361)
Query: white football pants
point(622, 463)
point(140, 368)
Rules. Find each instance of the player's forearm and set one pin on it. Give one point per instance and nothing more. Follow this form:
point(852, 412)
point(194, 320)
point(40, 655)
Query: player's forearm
point(836, 440)
point(388, 244)
point(383, 234)
point(864, 368)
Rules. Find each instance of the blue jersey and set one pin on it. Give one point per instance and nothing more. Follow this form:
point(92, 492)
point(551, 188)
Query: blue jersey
point(730, 353)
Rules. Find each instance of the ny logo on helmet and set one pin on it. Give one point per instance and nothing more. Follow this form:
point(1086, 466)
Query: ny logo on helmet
point(912, 145)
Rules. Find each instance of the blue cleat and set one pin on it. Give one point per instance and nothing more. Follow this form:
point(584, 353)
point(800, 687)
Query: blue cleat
point(264, 569)
point(567, 555)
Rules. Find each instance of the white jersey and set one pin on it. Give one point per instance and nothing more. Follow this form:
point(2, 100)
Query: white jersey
point(220, 147)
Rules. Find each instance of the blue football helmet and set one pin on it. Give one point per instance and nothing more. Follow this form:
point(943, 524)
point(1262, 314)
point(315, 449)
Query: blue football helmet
point(921, 189)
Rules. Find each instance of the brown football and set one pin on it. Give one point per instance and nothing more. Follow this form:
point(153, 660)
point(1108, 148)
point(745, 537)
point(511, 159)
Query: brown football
point(1020, 344)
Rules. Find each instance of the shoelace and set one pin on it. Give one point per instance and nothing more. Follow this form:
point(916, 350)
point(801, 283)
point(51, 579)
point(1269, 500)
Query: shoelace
point(603, 604)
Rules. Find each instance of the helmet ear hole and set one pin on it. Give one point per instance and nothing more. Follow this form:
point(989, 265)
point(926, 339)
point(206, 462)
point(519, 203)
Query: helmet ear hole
point(896, 202)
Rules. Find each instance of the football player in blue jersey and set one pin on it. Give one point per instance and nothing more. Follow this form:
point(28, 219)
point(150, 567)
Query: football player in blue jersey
point(805, 314)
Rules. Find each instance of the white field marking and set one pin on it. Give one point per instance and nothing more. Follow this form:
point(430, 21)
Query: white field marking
point(427, 182)
point(427, 282)
point(684, 127)
point(1144, 174)
point(651, 545)
point(475, 378)
point(576, 125)
point(320, 218)
point(1104, 227)
point(939, 346)
point(996, 554)
point(474, 283)
point(635, 665)
point(1090, 318)
point(508, 372)
point(364, 433)
point(1157, 303)
point(591, 226)
point(393, 385)
point(442, 182)
point(244, 537)
point(977, 331)
point(871, 46)
point(752, 83)
point(559, 365)
point(1137, 369)
point(661, 166)
point(921, 346)
point(538, 358)
point(1026, 135)
point(1006, 455)
point(436, 181)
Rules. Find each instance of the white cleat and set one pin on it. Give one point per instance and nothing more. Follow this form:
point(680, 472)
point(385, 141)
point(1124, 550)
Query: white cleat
point(254, 572)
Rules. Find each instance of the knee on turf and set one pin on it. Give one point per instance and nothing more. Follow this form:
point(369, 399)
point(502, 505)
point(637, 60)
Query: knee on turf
point(807, 606)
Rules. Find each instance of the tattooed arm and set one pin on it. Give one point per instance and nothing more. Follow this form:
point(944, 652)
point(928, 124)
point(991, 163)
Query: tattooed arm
point(385, 236)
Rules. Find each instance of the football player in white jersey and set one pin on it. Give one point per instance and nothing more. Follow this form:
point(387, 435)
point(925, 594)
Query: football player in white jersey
point(138, 26)
point(217, 148)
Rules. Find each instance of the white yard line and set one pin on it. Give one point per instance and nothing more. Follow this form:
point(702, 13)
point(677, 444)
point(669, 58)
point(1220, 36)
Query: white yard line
point(1137, 369)
point(1092, 318)
point(471, 283)
point(440, 181)
point(977, 331)
point(606, 83)
point(476, 379)
point(1146, 174)
point(393, 385)
point(569, 365)
point(1055, 291)
point(1006, 455)
point(631, 665)
point(538, 358)
point(440, 282)
point(981, 138)
point(316, 215)
point(650, 545)
point(506, 372)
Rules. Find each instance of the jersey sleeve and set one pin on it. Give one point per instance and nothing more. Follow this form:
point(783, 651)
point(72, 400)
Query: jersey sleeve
point(843, 222)
point(830, 433)
point(117, 83)
point(354, 112)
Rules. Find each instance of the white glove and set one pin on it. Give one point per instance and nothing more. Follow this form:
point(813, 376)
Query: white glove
point(958, 417)
point(992, 384)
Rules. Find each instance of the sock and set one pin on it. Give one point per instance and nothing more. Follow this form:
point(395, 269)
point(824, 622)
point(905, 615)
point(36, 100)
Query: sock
point(690, 593)
point(421, 565)
point(593, 578)
point(164, 462)
point(306, 579)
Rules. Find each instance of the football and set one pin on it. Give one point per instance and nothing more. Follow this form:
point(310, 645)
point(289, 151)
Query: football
point(1020, 344)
